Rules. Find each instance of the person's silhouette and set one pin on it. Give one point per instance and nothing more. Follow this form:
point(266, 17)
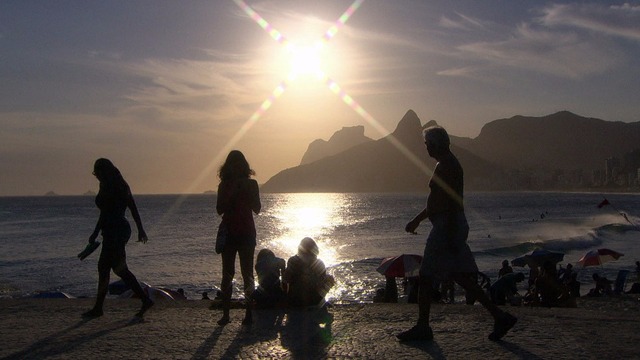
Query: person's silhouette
point(446, 252)
point(238, 199)
point(113, 199)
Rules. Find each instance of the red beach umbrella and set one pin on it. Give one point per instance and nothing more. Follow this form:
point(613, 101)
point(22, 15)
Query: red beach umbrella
point(405, 265)
point(599, 257)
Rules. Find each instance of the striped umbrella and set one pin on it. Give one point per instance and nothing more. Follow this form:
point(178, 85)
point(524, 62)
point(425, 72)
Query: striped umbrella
point(405, 265)
point(599, 257)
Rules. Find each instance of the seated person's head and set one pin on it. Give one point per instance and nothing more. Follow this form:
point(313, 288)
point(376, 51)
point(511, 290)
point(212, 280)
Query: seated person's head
point(264, 255)
point(308, 247)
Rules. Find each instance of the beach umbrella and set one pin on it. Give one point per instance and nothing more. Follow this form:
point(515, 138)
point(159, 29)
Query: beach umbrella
point(405, 265)
point(538, 258)
point(599, 257)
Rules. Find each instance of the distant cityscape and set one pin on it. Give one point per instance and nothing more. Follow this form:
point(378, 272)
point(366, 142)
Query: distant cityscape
point(616, 174)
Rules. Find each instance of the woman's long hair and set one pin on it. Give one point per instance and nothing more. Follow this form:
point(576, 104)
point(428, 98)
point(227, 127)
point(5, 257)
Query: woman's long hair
point(235, 167)
point(109, 176)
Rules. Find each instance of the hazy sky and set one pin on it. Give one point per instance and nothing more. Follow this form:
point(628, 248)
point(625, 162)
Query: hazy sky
point(166, 88)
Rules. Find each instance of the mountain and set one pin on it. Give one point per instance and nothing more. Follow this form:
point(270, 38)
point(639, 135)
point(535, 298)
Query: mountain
point(396, 163)
point(558, 141)
point(557, 151)
point(342, 140)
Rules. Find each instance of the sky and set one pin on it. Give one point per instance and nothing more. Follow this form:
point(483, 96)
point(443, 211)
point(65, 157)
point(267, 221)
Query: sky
point(165, 89)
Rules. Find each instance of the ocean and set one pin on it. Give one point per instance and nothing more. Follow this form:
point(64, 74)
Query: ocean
point(41, 236)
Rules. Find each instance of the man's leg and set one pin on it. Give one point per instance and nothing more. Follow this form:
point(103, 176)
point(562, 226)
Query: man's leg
point(472, 288)
point(422, 330)
point(503, 321)
point(425, 295)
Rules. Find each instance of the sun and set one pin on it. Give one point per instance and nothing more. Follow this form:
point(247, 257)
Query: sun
point(305, 60)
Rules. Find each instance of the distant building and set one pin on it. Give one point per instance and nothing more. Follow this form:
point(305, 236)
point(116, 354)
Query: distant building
point(612, 169)
point(598, 177)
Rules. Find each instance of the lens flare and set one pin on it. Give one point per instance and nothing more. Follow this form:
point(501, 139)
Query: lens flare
point(301, 64)
point(304, 56)
point(305, 60)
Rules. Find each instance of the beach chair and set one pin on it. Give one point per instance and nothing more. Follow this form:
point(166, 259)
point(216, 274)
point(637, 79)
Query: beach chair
point(621, 281)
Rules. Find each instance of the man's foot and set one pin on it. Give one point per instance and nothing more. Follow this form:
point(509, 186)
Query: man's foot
point(224, 320)
point(145, 306)
point(418, 332)
point(248, 317)
point(503, 324)
point(93, 313)
point(248, 320)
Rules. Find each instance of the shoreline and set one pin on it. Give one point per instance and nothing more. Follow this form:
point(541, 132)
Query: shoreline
point(53, 328)
point(590, 190)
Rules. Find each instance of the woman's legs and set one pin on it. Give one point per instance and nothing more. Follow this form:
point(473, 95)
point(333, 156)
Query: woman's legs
point(121, 269)
point(228, 271)
point(246, 268)
point(104, 273)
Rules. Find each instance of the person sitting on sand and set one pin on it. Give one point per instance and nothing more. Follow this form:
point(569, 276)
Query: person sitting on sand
point(505, 269)
point(390, 290)
point(305, 277)
point(574, 285)
point(602, 286)
point(484, 281)
point(550, 290)
point(269, 268)
point(565, 276)
point(505, 288)
point(411, 289)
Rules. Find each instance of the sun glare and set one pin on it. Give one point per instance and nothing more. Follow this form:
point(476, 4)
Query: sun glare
point(305, 60)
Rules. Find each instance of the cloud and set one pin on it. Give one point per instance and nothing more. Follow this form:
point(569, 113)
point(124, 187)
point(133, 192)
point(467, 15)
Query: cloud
point(466, 71)
point(621, 21)
point(560, 54)
point(186, 95)
point(463, 23)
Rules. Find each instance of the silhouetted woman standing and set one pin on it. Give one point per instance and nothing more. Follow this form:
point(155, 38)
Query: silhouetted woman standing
point(113, 199)
point(238, 199)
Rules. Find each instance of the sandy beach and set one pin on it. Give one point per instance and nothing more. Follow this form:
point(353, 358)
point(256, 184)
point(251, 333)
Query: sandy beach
point(53, 328)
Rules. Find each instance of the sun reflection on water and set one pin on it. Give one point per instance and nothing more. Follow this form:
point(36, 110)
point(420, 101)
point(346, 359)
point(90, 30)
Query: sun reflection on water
point(313, 215)
point(317, 215)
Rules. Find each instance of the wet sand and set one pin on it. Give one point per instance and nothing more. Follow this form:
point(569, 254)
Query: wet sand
point(54, 329)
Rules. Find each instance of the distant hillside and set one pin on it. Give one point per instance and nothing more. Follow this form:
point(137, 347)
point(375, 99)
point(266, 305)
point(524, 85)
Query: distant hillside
point(379, 166)
point(559, 141)
point(342, 140)
point(509, 154)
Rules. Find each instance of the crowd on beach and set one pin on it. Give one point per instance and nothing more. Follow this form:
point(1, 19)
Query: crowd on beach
point(549, 285)
point(303, 282)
